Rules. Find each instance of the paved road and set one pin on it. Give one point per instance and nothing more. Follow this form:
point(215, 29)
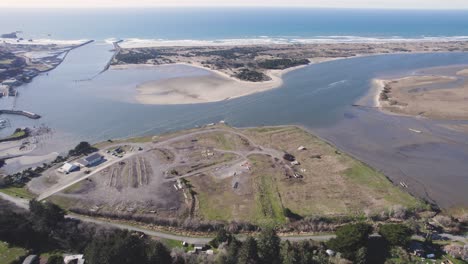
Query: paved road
point(23, 203)
point(191, 240)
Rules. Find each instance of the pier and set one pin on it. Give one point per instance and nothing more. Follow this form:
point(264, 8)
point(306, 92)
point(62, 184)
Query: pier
point(20, 112)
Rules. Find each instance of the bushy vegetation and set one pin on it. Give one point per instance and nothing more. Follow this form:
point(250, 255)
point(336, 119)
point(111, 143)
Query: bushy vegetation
point(19, 133)
point(395, 234)
point(45, 229)
point(350, 239)
point(280, 64)
point(19, 179)
point(251, 76)
point(83, 148)
point(132, 57)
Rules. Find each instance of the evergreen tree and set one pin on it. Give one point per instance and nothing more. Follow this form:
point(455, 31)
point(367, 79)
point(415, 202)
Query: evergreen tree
point(55, 259)
point(395, 234)
point(269, 247)
point(121, 247)
point(248, 253)
point(289, 253)
point(361, 256)
point(158, 253)
point(350, 238)
point(233, 251)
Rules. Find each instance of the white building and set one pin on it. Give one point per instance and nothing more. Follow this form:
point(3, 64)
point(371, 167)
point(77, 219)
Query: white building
point(78, 258)
point(68, 167)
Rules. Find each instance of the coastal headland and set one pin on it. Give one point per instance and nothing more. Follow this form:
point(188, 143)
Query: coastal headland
point(218, 174)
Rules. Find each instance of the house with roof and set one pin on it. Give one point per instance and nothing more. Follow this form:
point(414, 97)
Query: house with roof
point(91, 160)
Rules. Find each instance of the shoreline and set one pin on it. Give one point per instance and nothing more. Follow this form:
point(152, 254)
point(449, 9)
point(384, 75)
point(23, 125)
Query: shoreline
point(162, 92)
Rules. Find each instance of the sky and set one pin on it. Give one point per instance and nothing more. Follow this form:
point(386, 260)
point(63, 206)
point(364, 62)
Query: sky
point(393, 4)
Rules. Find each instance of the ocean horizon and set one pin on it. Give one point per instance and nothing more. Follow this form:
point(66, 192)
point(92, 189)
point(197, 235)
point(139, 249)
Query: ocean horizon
point(283, 25)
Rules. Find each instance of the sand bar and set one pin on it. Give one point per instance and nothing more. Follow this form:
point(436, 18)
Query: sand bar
point(430, 96)
point(204, 89)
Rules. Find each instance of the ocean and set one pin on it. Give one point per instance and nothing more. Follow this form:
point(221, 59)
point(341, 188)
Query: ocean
point(234, 23)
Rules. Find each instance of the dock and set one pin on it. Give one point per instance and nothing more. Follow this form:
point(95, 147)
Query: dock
point(20, 112)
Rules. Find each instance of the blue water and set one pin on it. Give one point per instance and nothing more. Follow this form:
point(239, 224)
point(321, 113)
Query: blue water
point(217, 23)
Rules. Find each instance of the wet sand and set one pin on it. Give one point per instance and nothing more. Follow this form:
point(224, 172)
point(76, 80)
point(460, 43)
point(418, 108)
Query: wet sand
point(442, 95)
point(214, 87)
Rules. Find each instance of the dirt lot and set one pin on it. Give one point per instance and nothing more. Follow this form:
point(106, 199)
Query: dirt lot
point(222, 173)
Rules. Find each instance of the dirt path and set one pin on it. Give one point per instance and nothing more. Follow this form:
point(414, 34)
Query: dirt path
point(80, 177)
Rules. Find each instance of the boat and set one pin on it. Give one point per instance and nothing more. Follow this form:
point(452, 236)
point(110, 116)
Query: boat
point(415, 131)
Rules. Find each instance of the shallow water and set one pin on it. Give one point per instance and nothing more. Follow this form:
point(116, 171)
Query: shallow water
point(318, 97)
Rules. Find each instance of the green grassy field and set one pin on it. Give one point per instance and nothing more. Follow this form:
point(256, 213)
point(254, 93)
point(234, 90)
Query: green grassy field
point(378, 184)
point(18, 192)
point(10, 254)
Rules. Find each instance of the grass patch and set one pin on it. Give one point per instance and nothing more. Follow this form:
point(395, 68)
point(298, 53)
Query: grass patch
point(379, 185)
point(74, 188)
point(11, 254)
point(171, 243)
point(63, 202)
point(20, 192)
point(18, 134)
point(214, 204)
point(269, 209)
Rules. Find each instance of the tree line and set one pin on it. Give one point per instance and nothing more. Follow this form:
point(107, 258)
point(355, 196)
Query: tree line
point(44, 228)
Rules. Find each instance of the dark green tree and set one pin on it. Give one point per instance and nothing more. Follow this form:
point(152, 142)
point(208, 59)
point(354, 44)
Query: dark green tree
point(289, 253)
point(306, 252)
point(248, 253)
point(120, 247)
point(82, 148)
point(55, 259)
point(232, 251)
point(221, 236)
point(158, 253)
point(44, 215)
point(350, 238)
point(361, 256)
point(269, 246)
point(395, 234)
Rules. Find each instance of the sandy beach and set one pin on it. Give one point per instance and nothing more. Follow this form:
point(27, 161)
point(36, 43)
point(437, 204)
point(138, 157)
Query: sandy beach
point(215, 87)
point(442, 97)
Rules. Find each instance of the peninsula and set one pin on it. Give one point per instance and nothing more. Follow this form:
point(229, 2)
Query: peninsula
point(246, 69)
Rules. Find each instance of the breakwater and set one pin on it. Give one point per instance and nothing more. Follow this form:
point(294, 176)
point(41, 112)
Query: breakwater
point(20, 112)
